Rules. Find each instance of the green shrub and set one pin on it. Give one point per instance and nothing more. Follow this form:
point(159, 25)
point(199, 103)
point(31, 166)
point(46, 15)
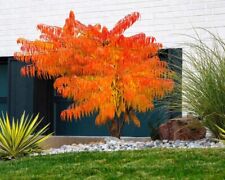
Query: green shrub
point(18, 138)
point(204, 81)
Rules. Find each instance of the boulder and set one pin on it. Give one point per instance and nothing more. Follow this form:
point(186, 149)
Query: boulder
point(182, 129)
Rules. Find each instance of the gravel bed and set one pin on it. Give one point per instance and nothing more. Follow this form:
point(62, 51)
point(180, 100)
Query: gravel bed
point(113, 144)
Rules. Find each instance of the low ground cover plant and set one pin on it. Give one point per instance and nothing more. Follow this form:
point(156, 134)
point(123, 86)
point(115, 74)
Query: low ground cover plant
point(19, 137)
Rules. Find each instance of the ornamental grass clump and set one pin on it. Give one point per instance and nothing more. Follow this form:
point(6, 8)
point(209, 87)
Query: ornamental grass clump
point(19, 137)
point(204, 82)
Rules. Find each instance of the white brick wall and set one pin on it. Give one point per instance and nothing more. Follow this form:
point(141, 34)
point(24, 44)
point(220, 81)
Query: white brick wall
point(166, 20)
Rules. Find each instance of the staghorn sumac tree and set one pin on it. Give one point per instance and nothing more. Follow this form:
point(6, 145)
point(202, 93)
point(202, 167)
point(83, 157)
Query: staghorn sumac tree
point(101, 70)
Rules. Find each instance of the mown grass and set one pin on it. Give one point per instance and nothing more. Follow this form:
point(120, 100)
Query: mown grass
point(143, 164)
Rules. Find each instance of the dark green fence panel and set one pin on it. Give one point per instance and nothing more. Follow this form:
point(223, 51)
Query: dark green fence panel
point(86, 125)
point(43, 102)
point(174, 59)
point(83, 127)
point(20, 90)
point(3, 84)
point(19, 94)
point(3, 80)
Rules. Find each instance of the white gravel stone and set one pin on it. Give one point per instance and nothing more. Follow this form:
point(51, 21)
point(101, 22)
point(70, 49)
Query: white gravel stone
point(113, 144)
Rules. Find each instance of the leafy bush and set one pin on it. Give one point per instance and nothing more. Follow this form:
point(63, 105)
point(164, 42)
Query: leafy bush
point(18, 138)
point(204, 81)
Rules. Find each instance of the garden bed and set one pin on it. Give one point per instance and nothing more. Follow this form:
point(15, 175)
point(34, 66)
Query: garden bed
point(80, 144)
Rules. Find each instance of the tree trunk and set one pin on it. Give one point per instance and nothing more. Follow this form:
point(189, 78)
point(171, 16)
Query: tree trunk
point(115, 126)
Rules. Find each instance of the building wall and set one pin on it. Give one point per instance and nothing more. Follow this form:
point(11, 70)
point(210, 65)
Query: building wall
point(164, 19)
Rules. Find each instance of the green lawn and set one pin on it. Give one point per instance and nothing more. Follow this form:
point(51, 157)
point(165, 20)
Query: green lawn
point(143, 164)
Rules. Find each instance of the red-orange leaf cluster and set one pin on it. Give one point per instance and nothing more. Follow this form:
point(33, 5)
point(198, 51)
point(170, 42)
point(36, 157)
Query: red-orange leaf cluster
point(101, 70)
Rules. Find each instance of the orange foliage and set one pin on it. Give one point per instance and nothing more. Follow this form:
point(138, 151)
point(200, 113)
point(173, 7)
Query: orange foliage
point(101, 70)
